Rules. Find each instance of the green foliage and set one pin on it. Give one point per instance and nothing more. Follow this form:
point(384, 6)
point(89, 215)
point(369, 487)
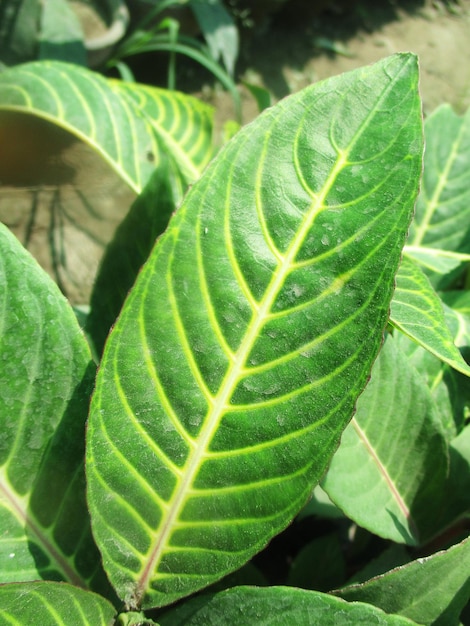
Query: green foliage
point(245, 326)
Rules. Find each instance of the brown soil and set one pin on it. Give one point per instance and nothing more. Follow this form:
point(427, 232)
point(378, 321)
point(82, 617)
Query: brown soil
point(67, 223)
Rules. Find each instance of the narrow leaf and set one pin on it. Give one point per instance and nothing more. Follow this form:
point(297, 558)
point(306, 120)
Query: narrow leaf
point(238, 357)
point(439, 261)
point(126, 124)
point(276, 606)
point(45, 383)
point(48, 604)
point(417, 311)
point(390, 469)
point(432, 590)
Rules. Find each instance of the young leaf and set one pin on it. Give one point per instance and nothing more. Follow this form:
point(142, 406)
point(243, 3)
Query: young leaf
point(390, 469)
point(48, 603)
point(276, 606)
point(432, 590)
point(238, 357)
point(443, 207)
point(416, 310)
point(45, 383)
point(126, 124)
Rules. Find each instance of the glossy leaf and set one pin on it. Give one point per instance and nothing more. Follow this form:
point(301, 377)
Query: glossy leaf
point(238, 357)
point(45, 382)
point(431, 590)
point(126, 124)
point(443, 208)
point(276, 606)
point(51, 604)
point(390, 469)
point(417, 311)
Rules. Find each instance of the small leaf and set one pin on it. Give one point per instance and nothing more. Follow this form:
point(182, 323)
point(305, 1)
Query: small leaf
point(61, 35)
point(276, 606)
point(432, 590)
point(390, 469)
point(238, 356)
point(436, 260)
point(50, 604)
point(319, 565)
point(417, 311)
point(46, 377)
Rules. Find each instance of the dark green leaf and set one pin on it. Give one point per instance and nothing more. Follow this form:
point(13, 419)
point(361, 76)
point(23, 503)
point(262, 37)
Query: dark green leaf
point(238, 357)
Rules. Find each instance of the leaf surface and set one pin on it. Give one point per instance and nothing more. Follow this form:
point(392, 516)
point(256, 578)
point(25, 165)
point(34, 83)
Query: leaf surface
point(389, 472)
point(417, 311)
point(129, 125)
point(431, 590)
point(51, 604)
point(45, 383)
point(238, 357)
point(276, 606)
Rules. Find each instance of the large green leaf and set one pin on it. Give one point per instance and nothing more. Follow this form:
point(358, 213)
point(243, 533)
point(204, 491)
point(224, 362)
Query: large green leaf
point(126, 124)
point(443, 207)
point(276, 606)
point(417, 311)
point(45, 382)
point(389, 472)
point(53, 604)
point(238, 357)
point(431, 590)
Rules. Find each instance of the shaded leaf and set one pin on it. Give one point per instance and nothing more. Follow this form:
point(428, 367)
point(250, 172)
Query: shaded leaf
point(51, 604)
point(417, 311)
point(319, 565)
point(238, 356)
point(61, 35)
point(275, 606)
point(431, 590)
point(45, 383)
point(390, 469)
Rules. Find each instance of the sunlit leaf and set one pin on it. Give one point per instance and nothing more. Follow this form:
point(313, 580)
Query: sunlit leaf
point(51, 604)
point(390, 469)
point(276, 606)
point(238, 356)
point(45, 382)
point(439, 261)
point(431, 590)
point(417, 311)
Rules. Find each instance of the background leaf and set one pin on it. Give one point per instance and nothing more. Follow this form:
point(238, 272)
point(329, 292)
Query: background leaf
point(389, 472)
point(45, 383)
point(275, 606)
point(51, 604)
point(431, 590)
point(239, 354)
point(417, 311)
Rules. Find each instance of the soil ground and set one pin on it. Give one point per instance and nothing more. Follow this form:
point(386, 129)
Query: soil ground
point(67, 211)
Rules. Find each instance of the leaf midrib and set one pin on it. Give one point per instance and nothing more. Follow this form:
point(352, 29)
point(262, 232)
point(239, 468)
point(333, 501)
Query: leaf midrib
point(238, 364)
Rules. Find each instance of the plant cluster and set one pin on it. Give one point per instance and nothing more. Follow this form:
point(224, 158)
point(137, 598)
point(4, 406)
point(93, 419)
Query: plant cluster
point(277, 340)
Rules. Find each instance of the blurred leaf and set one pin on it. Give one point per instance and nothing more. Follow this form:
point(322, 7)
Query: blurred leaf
point(432, 590)
point(319, 565)
point(321, 505)
point(390, 469)
point(61, 35)
point(443, 208)
point(219, 30)
point(275, 606)
point(260, 94)
point(417, 311)
point(393, 556)
point(265, 301)
point(439, 261)
point(50, 604)
point(45, 383)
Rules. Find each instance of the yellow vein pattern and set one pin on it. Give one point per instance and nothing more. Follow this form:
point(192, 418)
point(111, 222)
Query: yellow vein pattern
point(252, 329)
point(129, 125)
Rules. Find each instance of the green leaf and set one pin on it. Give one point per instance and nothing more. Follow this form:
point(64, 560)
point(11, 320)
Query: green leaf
point(431, 590)
point(417, 311)
point(127, 252)
point(443, 207)
point(45, 383)
point(389, 471)
point(126, 124)
point(50, 604)
point(61, 35)
point(238, 357)
point(275, 606)
point(439, 261)
point(319, 565)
